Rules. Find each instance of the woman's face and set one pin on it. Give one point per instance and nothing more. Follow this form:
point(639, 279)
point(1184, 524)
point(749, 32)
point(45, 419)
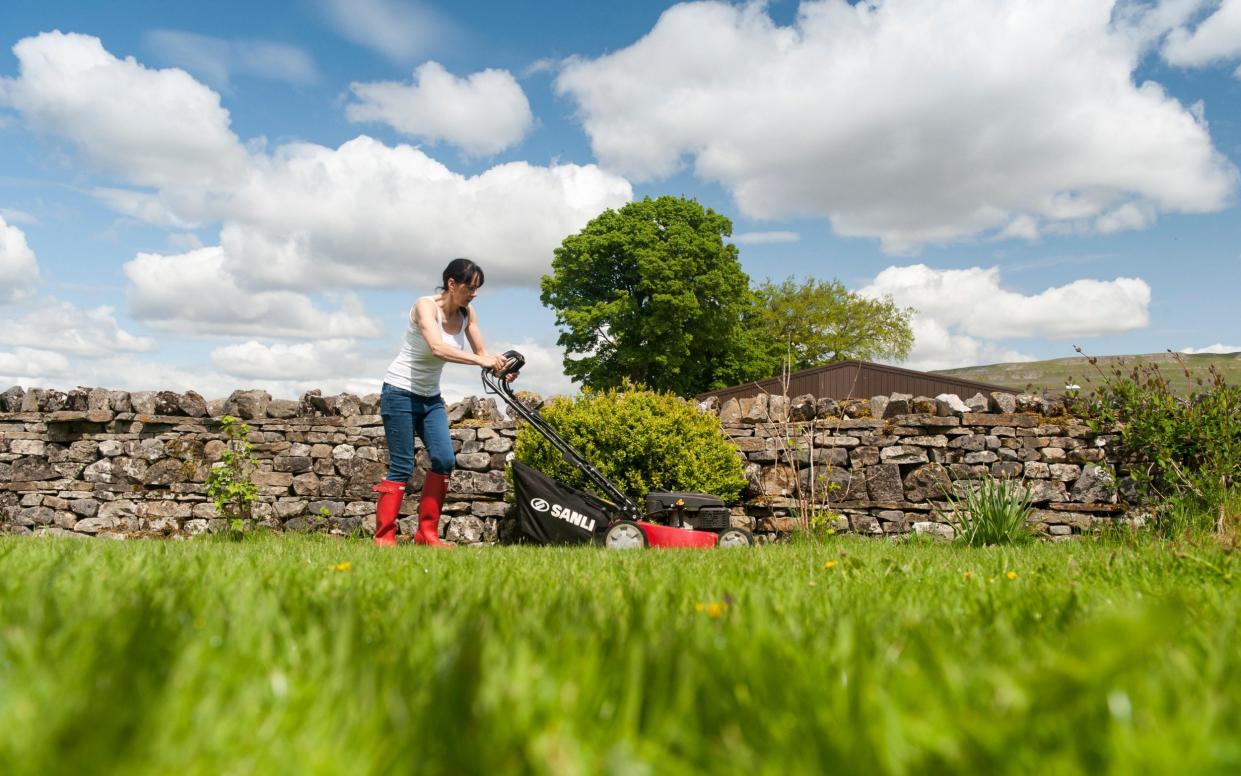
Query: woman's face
point(462, 293)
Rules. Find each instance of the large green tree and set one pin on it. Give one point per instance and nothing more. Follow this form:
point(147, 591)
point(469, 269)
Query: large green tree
point(653, 293)
point(815, 322)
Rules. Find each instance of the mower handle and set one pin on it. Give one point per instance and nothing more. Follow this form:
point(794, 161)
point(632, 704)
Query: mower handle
point(514, 361)
point(496, 383)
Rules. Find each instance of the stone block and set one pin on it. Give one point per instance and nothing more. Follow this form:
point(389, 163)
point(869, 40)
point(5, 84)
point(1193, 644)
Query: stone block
point(883, 482)
point(84, 507)
point(1006, 470)
point(283, 409)
point(754, 409)
point(903, 454)
point(1036, 470)
point(927, 482)
point(294, 464)
point(826, 407)
point(34, 447)
point(1065, 472)
point(865, 524)
point(93, 525)
point(305, 484)
point(474, 461)
point(949, 404)
point(166, 472)
point(802, 408)
point(935, 530)
point(898, 404)
point(248, 405)
point(1095, 485)
point(32, 469)
point(1045, 491)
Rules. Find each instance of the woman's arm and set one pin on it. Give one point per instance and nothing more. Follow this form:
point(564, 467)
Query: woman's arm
point(428, 326)
point(474, 334)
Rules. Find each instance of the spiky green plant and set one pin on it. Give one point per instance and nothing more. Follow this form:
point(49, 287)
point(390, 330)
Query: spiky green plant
point(993, 512)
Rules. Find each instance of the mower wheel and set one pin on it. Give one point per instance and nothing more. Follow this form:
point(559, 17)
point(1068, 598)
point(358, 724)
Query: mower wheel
point(624, 535)
point(735, 537)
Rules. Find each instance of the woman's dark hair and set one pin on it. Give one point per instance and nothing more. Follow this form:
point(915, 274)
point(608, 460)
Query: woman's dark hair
point(463, 271)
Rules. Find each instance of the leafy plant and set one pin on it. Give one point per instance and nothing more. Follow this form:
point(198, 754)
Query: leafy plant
point(993, 512)
point(228, 483)
point(1181, 449)
point(640, 439)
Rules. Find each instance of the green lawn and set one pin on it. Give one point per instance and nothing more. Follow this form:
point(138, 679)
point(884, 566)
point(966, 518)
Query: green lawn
point(312, 655)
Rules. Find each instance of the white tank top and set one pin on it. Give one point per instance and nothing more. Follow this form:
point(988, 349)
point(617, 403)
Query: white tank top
point(415, 368)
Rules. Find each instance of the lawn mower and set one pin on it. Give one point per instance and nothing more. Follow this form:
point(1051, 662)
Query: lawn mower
point(550, 512)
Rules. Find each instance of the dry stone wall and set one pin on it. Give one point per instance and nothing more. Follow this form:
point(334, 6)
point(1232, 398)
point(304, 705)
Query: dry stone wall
point(93, 462)
point(885, 465)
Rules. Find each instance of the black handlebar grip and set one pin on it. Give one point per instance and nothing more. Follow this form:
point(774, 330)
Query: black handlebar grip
point(515, 361)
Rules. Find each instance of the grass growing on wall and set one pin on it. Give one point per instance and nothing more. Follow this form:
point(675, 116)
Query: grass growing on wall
point(313, 655)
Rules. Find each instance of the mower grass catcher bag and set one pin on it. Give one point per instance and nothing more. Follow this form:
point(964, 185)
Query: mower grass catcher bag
point(550, 512)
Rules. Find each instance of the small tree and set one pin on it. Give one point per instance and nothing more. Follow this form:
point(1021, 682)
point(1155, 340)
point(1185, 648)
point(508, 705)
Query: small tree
point(652, 293)
point(228, 483)
point(821, 321)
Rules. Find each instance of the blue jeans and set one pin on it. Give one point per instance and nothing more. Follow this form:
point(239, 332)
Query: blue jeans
point(406, 414)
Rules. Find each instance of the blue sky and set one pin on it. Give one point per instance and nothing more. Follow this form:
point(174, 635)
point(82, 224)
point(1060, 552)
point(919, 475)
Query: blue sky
point(224, 195)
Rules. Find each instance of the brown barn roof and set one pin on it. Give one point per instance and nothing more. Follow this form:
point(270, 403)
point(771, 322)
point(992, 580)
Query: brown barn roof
point(857, 380)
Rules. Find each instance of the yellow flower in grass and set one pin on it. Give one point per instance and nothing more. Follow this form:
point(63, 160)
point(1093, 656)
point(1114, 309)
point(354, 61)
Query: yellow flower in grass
point(1011, 575)
point(342, 566)
point(713, 609)
point(968, 575)
point(831, 564)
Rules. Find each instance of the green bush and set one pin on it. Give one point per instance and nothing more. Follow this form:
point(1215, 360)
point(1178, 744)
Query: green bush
point(1182, 450)
point(994, 512)
point(641, 440)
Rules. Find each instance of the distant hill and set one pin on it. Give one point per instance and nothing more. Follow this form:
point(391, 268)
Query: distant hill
point(1053, 375)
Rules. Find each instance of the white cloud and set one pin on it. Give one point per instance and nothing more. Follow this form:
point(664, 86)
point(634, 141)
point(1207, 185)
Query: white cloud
point(399, 31)
point(973, 300)
point(19, 268)
point(141, 205)
point(765, 238)
point(333, 358)
point(194, 293)
point(482, 114)
point(152, 127)
point(31, 365)
point(340, 364)
point(17, 216)
point(936, 347)
point(909, 121)
point(1215, 39)
point(369, 215)
point(61, 326)
point(1218, 348)
point(300, 217)
point(215, 60)
point(543, 373)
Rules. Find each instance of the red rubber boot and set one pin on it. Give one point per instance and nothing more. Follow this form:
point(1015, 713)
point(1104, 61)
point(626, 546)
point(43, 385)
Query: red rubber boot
point(433, 490)
point(390, 495)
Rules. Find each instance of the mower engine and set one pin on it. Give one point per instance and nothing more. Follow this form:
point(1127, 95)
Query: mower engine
point(699, 511)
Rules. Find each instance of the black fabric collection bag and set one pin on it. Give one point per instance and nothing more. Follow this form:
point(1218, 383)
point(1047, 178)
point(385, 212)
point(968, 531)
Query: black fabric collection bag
point(550, 512)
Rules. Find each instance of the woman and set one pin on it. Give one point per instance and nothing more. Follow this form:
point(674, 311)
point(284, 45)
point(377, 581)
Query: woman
point(411, 404)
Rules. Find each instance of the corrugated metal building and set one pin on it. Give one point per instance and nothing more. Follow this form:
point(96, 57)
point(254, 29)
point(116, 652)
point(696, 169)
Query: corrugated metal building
point(857, 380)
